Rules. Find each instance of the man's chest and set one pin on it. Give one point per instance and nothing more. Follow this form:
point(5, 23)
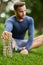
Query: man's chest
point(20, 27)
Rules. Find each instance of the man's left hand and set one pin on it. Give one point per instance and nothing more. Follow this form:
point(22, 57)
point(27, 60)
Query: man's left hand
point(25, 51)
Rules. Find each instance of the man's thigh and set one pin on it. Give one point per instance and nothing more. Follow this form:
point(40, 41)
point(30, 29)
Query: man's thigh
point(18, 44)
point(37, 42)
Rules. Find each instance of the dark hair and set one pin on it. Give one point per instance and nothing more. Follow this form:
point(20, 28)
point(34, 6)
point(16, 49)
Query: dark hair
point(18, 4)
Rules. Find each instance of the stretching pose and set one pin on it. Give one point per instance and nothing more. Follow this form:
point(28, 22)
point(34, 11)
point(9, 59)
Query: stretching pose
point(18, 24)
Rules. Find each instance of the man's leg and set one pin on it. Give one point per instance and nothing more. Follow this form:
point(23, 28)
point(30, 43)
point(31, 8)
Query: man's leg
point(18, 45)
point(14, 45)
point(37, 42)
point(7, 43)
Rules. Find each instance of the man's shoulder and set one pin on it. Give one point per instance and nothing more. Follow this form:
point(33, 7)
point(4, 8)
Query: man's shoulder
point(12, 18)
point(29, 18)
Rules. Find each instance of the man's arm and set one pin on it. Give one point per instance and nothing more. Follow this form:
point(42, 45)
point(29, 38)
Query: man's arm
point(31, 36)
point(7, 30)
point(30, 33)
point(8, 26)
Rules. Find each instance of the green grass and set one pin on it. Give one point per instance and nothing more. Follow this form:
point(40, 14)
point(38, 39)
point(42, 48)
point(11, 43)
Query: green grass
point(34, 57)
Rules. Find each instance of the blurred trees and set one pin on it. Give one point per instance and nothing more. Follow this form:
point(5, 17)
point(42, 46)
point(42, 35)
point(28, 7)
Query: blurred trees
point(5, 9)
point(34, 9)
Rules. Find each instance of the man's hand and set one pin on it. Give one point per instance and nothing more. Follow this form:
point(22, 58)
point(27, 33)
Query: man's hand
point(5, 35)
point(24, 51)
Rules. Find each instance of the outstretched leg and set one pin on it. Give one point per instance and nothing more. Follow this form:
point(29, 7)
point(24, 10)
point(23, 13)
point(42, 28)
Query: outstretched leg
point(37, 42)
point(7, 43)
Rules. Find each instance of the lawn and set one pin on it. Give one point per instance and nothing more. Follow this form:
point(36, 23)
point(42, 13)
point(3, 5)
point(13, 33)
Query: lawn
point(34, 57)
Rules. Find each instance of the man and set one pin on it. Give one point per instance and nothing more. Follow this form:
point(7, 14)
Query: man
point(18, 25)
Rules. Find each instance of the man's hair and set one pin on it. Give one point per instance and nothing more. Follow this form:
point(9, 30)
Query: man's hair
point(18, 4)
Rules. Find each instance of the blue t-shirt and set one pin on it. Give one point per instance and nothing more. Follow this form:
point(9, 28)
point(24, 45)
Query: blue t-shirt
point(19, 29)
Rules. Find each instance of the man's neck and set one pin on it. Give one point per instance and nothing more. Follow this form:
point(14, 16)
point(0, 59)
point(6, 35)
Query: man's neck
point(20, 20)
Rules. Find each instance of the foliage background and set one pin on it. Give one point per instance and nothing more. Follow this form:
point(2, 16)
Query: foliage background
point(34, 9)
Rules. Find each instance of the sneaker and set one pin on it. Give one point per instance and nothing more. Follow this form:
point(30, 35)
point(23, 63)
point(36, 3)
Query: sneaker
point(7, 46)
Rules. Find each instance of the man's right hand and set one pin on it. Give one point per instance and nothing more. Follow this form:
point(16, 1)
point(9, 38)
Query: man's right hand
point(5, 35)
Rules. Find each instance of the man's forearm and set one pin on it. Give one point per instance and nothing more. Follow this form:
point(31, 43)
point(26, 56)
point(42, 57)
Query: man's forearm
point(29, 42)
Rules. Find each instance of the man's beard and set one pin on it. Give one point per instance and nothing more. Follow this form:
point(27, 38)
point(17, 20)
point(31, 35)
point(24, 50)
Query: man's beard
point(21, 17)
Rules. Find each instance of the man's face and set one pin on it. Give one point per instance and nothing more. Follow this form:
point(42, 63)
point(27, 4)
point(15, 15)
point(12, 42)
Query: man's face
point(21, 12)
